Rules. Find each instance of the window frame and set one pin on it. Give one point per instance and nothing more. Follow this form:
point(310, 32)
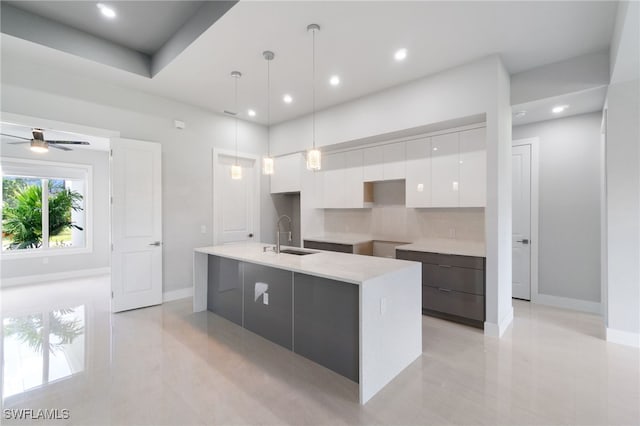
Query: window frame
point(84, 170)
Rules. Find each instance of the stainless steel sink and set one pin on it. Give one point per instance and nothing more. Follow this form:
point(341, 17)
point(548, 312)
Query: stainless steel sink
point(296, 252)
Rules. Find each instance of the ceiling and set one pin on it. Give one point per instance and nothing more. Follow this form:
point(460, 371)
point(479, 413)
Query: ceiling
point(144, 26)
point(357, 41)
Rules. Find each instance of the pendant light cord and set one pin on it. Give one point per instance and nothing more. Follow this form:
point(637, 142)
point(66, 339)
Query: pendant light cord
point(236, 96)
point(313, 73)
point(268, 107)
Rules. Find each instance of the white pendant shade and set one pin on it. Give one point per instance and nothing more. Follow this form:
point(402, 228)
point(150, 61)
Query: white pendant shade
point(267, 165)
point(314, 159)
point(236, 172)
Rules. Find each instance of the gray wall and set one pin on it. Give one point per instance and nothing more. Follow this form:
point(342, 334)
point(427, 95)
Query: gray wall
point(44, 91)
point(99, 258)
point(569, 205)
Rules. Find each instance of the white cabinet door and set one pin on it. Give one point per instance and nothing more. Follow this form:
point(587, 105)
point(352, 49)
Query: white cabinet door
point(445, 170)
point(286, 175)
point(353, 192)
point(333, 184)
point(418, 172)
point(373, 159)
point(394, 161)
point(473, 168)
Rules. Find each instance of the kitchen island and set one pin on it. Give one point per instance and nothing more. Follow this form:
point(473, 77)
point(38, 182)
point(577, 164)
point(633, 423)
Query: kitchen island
point(356, 315)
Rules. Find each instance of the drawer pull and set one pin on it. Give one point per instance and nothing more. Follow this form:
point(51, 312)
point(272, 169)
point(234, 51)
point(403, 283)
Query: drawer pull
point(446, 290)
point(445, 266)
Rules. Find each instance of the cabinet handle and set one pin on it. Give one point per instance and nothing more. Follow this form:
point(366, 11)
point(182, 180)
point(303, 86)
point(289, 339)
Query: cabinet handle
point(446, 290)
point(445, 266)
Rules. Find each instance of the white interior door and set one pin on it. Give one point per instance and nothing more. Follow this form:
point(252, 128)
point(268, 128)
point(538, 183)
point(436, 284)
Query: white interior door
point(521, 241)
point(236, 202)
point(136, 189)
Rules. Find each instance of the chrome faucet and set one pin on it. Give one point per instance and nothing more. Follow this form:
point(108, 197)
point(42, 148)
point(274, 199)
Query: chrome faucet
point(278, 231)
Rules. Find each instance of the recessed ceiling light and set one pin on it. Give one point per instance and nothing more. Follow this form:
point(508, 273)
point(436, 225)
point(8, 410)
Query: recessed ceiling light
point(435, 148)
point(106, 10)
point(287, 99)
point(251, 113)
point(400, 55)
point(334, 80)
point(520, 114)
point(560, 108)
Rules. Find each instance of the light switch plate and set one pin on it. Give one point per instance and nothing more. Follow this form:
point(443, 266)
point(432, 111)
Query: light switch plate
point(265, 298)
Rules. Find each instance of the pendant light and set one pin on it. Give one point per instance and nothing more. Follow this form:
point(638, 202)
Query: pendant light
point(267, 161)
point(236, 170)
point(314, 160)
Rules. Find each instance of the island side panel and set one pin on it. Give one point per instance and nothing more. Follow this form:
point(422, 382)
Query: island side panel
point(268, 303)
point(326, 323)
point(200, 272)
point(224, 290)
point(390, 327)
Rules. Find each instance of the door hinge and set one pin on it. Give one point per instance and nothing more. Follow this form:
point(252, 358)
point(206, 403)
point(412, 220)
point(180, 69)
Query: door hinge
point(111, 200)
point(112, 294)
point(111, 152)
point(111, 246)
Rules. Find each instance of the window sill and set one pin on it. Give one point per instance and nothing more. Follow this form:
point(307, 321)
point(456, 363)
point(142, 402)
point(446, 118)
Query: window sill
point(27, 254)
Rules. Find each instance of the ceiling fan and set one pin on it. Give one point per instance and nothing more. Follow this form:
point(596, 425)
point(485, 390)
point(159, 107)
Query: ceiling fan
point(40, 144)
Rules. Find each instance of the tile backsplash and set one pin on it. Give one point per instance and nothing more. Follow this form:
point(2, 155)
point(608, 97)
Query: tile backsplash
point(398, 223)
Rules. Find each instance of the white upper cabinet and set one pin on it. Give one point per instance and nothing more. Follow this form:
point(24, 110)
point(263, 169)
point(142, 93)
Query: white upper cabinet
point(418, 173)
point(473, 168)
point(287, 173)
point(445, 170)
point(384, 162)
point(394, 157)
point(352, 184)
point(373, 159)
point(332, 180)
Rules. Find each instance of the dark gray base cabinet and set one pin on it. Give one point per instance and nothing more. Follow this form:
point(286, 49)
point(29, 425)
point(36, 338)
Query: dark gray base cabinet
point(224, 294)
point(315, 317)
point(453, 287)
point(326, 323)
point(365, 248)
point(273, 319)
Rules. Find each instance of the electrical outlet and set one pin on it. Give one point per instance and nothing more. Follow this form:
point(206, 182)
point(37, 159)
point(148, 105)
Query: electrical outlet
point(265, 298)
point(203, 229)
point(45, 260)
point(383, 305)
point(452, 232)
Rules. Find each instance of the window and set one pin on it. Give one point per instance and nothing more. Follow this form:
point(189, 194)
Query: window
point(44, 207)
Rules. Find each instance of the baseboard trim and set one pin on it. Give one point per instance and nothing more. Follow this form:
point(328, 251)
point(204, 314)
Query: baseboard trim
point(569, 303)
point(497, 330)
point(183, 293)
point(622, 337)
point(57, 276)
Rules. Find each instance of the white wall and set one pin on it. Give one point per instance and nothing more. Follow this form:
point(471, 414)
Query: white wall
point(99, 257)
point(623, 180)
point(41, 90)
point(569, 205)
point(480, 87)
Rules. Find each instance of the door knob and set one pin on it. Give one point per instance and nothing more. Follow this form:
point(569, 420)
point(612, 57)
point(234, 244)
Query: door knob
point(523, 241)
point(155, 243)
point(250, 235)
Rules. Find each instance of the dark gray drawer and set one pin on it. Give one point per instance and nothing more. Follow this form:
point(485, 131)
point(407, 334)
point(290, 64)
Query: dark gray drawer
point(319, 245)
point(453, 278)
point(442, 259)
point(453, 303)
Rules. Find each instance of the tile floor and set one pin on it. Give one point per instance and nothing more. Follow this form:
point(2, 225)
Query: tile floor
point(165, 365)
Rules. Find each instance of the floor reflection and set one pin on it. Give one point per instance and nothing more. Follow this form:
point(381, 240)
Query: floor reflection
point(42, 348)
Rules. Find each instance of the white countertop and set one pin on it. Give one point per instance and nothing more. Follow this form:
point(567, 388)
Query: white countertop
point(351, 268)
point(350, 239)
point(448, 246)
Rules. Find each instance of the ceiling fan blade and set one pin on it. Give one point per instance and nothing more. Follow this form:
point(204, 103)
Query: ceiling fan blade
point(18, 143)
point(68, 142)
point(62, 148)
point(17, 137)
